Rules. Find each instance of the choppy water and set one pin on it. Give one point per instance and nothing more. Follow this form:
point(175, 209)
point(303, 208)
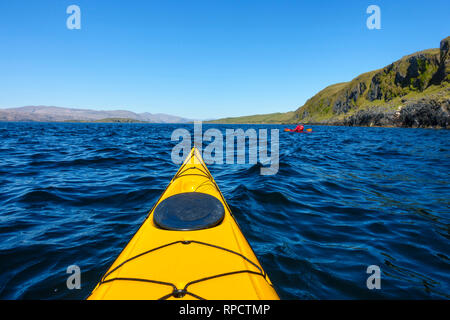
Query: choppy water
point(343, 199)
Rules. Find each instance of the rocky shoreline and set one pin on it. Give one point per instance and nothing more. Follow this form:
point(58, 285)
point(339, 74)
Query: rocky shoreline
point(421, 114)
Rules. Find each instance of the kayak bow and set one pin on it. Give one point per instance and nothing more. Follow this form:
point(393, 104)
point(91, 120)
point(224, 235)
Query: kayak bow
point(189, 247)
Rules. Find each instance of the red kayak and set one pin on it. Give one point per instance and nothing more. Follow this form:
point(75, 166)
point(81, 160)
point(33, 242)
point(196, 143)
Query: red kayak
point(292, 130)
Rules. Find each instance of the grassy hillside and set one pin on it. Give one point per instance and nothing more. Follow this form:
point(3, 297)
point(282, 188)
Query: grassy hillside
point(424, 75)
point(408, 79)
point(260, 118)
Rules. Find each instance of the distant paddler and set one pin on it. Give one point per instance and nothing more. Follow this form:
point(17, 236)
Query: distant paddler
point(299, 128)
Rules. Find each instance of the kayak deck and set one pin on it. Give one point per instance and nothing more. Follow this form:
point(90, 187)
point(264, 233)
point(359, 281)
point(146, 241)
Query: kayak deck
point(212, 263)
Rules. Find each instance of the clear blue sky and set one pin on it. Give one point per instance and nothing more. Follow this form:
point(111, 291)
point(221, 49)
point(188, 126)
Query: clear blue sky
point(201, 59)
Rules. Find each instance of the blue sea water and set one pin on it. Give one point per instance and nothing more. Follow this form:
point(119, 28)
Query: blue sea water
point(343, 199)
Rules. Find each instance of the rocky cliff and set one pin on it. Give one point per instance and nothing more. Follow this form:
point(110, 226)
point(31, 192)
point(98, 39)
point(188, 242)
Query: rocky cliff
point(411, 92)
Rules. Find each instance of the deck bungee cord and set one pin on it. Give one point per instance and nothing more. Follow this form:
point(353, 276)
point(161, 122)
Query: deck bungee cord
point(179, 293)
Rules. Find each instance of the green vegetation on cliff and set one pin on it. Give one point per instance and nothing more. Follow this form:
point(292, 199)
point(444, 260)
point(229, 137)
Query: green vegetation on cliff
point(420, 77)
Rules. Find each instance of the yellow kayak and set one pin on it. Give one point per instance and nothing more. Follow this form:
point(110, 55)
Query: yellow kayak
point(189, 247)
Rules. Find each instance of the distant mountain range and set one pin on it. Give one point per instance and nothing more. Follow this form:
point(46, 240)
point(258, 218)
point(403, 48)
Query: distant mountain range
point(411, 92)
point(58, 114)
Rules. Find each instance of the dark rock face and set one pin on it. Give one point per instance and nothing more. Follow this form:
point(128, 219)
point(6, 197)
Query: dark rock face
point(445, 52)
point(421, 114)
point(374, 92)
point(357, 91)
point(348, 100)
point(371, 117)
point(416, 72)
point(340, 107)
point(416, 66)
point(443, 72)
point(305, 114)
point(425, 114)
point(413, 73)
